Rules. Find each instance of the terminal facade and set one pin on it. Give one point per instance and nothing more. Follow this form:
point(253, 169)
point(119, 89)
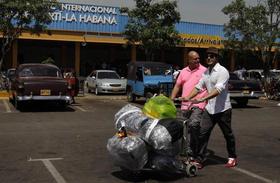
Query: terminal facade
point(87, 36)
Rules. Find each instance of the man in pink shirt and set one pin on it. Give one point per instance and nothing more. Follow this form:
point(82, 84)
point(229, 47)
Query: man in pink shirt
point(186, 81)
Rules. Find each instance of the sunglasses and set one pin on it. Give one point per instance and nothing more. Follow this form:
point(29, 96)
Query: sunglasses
point(211, 56)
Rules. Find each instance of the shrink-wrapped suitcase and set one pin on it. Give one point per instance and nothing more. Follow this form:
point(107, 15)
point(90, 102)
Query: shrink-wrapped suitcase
point(128, 152)
point(161, 134)
point(130, 117)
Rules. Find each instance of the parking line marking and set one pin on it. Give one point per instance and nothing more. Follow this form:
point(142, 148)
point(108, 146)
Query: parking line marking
point(251, 174)
point(47, 162)
point(8, 109)
point(80, 108)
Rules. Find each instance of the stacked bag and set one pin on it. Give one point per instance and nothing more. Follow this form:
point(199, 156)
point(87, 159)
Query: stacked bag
point(148, 137)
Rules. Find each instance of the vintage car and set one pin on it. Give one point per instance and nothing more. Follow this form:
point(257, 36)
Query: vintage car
point(38, 82)
point(105, 81)
point(243, 90)
point(146, 79)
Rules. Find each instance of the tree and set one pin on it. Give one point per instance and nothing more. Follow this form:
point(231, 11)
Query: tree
point(18, 16)
point(254, 28)
point(152, 25)
point(49, 60)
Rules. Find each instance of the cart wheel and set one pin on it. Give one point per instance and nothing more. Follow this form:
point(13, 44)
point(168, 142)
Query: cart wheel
point(130, 96)
point(191, 170)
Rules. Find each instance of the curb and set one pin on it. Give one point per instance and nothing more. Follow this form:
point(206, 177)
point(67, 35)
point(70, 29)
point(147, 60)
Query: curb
point(103, 97)
point(4, 94)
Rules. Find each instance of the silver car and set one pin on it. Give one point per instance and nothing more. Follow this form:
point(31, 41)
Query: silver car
point(105, 81)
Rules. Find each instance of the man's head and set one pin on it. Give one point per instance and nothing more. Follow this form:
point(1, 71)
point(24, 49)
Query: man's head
point(212, 56)
point(193, 60)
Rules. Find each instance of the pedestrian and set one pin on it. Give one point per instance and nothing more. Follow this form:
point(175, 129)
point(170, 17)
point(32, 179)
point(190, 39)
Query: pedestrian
point(176, 72)
point(218, 109)
point(73, 82)
point(186, 81)
point(147, 71)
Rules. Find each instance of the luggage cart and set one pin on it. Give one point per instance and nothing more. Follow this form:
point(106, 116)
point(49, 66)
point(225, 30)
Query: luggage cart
point(157, 162)
point(181, 165)
point(185, 140)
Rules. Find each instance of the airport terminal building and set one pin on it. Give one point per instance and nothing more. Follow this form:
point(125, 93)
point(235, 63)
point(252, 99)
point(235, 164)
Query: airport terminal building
point(87, 36)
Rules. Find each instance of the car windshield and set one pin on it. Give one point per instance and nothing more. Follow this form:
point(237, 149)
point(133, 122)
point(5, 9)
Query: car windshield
point(157, 70)
point(11, 72)
point(107, 75)
point(37, 71)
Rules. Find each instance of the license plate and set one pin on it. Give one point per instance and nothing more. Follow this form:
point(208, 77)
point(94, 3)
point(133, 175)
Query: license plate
point(115, 89)
point(45, 92)
point(246, 91)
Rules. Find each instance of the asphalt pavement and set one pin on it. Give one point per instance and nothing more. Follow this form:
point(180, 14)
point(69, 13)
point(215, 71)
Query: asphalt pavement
point(44, 144)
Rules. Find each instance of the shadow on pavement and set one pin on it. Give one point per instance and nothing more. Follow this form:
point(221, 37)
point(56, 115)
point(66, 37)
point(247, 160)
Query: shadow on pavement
point(212, 159)
point(249, 106)
point(144, 175)
point(46, 107)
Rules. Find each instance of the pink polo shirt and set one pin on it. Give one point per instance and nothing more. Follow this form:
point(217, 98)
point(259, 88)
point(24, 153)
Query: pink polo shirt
point(188, 79)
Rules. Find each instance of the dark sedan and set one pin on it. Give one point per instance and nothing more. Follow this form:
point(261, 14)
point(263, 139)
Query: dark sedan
point(243, 90)
point(38, 82)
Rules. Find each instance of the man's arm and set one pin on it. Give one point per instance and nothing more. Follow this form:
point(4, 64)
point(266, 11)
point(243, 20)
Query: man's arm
point(175, 91)
point(193, 93)
point(212, 94)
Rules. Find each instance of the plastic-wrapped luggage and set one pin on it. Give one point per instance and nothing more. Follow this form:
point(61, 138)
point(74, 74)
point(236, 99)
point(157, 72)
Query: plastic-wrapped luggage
point(160, 107)
point(128, 152)
point(161, 134)
point(153, 132)
point(130, 117)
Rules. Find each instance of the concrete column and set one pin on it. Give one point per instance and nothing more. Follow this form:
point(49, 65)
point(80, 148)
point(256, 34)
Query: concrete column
point(275, 63)
point(77, 58)
point(63, 55)
point(112, 54)
point(15, 54)
point(185, 56)
point(133, 53)
point(232, 61)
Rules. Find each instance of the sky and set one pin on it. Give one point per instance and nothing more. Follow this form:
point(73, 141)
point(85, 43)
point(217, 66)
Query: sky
point(201, 11)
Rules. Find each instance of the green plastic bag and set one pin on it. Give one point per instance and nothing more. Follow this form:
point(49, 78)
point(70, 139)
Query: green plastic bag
point(160, 107)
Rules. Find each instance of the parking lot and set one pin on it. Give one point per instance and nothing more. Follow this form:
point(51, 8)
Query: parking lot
point(46, 144)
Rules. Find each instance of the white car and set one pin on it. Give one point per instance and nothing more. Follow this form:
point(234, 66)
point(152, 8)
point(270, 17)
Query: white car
point(105, 81)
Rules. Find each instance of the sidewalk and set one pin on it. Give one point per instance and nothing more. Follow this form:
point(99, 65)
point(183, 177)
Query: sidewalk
point(102, 97)
point(4, 94)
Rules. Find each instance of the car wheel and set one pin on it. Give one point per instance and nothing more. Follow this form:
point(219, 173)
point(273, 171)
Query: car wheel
point(18, 104)
point(96, 91)
point(62, 104)
point(130, 96)
point(86, 89)
point(242, 102)
point(148, 95)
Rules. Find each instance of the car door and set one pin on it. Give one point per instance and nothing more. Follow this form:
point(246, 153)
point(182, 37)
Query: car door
point(94, 79)
point(91, 80)
point(138, 88)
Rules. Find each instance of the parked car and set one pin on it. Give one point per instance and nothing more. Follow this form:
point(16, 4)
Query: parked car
point(38, 82)
point(243, 90)
point(105, 81)
point(148, 78)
